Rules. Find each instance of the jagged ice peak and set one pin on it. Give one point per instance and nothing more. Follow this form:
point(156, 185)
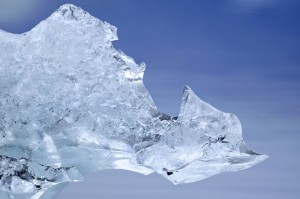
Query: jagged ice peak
point(71, 104)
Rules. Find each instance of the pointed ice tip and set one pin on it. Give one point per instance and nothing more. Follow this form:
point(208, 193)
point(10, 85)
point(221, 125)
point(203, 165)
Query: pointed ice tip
point(186, 89)
point(67, 7)
point(70, 11)
point(187, 95)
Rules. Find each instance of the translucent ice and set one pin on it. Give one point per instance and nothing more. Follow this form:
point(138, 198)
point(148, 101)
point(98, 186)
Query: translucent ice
point(71, 104)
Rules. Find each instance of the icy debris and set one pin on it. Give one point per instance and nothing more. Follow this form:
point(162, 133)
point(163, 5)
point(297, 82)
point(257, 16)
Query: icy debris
point(71, 104)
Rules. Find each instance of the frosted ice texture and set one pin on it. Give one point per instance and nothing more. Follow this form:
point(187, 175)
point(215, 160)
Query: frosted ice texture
point(71, 104)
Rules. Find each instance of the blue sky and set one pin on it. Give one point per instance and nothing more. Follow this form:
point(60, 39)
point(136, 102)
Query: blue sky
point(242, 56)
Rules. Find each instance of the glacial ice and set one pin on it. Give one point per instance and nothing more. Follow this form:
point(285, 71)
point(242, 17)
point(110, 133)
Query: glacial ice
point(71, 104)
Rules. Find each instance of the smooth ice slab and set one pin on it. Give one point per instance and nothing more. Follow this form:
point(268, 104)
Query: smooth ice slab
point(71, 104)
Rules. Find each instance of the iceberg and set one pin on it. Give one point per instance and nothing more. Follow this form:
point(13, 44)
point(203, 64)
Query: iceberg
point(71, 104)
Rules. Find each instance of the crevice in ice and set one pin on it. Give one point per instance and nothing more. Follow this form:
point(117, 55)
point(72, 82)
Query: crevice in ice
point(25, 176)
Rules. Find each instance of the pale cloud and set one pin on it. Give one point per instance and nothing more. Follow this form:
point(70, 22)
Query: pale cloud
point(16, 10)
